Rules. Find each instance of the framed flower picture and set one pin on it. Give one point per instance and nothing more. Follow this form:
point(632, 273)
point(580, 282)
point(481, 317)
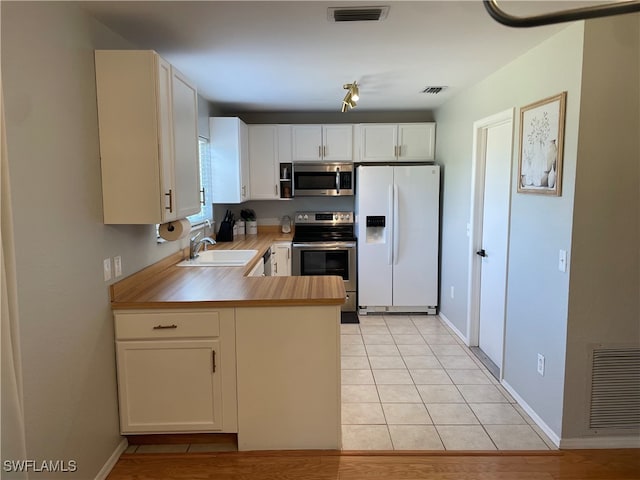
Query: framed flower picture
point(541, 146)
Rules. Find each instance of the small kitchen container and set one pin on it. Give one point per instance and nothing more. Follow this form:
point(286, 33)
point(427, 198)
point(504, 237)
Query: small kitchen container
point(241, 227)
point(252, 227)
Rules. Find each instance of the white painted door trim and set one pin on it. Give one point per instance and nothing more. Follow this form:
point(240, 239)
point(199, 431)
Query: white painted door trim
point(478, 163)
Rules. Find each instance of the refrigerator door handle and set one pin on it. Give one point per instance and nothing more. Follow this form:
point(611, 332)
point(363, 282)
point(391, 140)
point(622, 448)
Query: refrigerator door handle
point(396, 221)
point(390, 235)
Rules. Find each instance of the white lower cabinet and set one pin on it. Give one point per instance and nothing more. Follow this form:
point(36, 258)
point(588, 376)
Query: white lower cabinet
point(176, 371)
point(281, 259)
point(269, 374)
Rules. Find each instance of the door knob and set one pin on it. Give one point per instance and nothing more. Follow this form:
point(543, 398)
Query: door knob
point(482, 253)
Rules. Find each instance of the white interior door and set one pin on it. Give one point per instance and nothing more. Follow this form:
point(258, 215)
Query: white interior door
point(495, 154)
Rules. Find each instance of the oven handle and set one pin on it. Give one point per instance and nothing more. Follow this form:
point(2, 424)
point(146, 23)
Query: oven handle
point(318, 245)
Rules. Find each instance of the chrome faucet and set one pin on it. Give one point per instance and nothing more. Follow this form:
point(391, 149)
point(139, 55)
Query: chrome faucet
point(195, 245)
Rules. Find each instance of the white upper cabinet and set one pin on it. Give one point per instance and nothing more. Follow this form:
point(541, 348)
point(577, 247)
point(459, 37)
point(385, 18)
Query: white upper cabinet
point(147, 117)
point(404, 142)
point(312, 143)
point(264, 164)
point(229, 143)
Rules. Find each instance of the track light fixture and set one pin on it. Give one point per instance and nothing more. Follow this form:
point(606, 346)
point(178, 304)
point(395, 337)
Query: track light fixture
point(352, 96)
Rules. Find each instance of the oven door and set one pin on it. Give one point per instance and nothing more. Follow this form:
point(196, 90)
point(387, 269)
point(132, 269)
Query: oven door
point(326, 258)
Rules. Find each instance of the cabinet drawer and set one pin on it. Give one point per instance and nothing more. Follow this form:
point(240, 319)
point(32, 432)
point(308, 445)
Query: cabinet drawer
point(167, 325)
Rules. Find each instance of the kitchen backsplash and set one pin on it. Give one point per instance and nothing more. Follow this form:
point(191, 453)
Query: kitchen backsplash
point(270, 212)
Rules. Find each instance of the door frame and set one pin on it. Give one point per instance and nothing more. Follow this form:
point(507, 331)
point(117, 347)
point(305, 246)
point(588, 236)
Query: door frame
point(478, 168)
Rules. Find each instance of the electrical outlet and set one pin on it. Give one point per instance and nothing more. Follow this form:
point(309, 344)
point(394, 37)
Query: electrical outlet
point(106, 266)
point(541, 364)
point(117, 266)
point(452, 291)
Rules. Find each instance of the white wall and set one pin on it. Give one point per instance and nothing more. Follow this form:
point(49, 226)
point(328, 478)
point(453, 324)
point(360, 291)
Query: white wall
point(537, 292)
point(65, 318)
point(604, 296)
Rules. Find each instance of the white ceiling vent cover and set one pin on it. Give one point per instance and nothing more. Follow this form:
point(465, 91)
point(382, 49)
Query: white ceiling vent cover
point(615, 388)
point(357, 14)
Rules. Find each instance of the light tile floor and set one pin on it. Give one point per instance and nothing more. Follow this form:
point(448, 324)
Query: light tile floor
point(409, 383)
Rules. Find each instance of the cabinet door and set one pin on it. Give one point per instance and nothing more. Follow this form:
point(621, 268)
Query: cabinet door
point(337, 143)
point(306, 141)
point(416, 142)
point(263, 162)
point(168, 208)
point(169, 385)
point(229, 146)
point(185, 143)
point(282, 259)
point(245, 176)
point(378, 142)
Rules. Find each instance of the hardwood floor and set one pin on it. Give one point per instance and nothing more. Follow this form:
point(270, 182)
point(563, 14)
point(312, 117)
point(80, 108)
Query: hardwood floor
point(324, 465)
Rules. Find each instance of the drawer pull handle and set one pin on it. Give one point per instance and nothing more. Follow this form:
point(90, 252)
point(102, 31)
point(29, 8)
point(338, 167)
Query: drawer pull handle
point(164, 327)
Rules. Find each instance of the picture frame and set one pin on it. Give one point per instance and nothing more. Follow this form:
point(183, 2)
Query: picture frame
point(541, 146)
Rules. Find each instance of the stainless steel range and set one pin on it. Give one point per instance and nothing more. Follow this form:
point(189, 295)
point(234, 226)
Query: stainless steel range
point(324, 243)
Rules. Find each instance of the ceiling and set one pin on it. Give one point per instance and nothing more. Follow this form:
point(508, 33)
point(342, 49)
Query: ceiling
point(287, 56)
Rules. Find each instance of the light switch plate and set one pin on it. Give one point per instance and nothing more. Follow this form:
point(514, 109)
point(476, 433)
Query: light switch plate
point(117, 266)
point(562, 260)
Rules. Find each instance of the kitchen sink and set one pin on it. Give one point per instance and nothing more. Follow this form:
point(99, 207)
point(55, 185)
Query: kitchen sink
point(220, 258)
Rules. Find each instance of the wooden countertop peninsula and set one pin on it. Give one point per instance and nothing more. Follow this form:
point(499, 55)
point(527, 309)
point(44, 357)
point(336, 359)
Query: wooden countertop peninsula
point(165, 285)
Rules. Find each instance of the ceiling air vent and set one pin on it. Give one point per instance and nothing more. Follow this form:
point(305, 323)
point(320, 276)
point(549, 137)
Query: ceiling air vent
point(433, 90)
point(360, 14)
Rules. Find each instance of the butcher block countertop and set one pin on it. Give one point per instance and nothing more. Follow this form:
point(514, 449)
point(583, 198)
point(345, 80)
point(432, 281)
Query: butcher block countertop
point(165, 285)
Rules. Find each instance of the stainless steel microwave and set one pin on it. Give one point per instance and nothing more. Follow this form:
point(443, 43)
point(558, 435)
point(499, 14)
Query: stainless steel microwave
point(322, 179)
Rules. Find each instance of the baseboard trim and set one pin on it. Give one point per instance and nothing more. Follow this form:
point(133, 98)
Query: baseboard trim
point(113, 459)
point(454, 328)
point(600, 442)
point(553, 436)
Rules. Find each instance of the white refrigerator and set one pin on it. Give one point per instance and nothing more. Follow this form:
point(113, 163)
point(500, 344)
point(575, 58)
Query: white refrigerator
point(397, 224)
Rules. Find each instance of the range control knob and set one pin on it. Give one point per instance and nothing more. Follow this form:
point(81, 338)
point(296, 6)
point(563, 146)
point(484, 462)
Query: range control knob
point(306, 217)
point(299, 217)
